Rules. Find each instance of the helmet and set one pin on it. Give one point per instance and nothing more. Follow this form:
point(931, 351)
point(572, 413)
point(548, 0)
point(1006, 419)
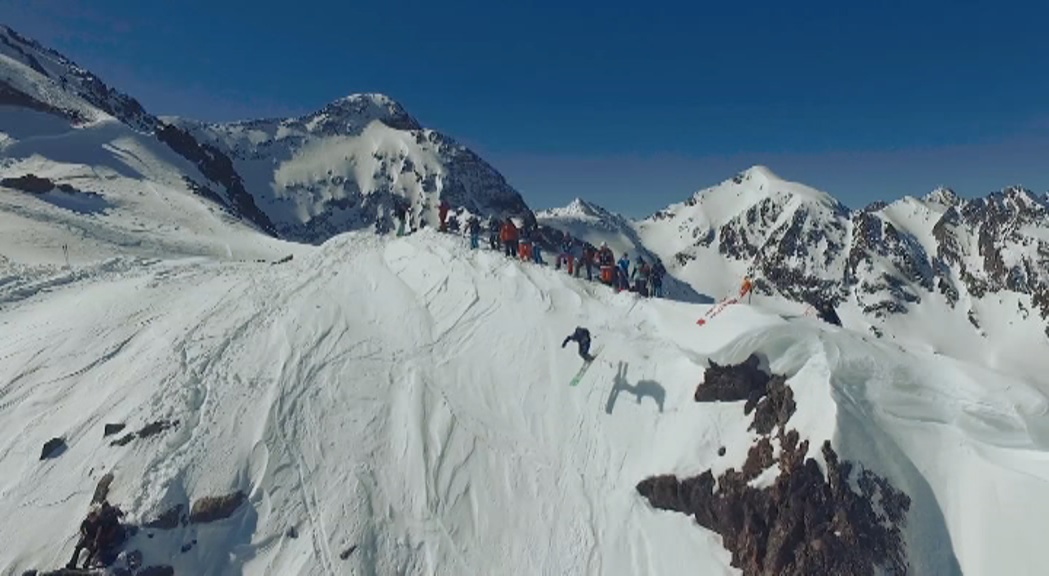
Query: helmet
point(604, 244)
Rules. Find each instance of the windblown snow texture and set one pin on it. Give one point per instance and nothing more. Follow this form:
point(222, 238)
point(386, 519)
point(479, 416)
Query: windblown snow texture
point(405, 399)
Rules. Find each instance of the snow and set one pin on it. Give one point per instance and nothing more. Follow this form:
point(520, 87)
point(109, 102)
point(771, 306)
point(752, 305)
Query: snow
point(409, 396)
point(131, 201)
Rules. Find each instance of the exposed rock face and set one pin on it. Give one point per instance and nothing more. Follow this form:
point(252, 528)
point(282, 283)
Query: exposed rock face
point(102, 489)
point(171, 518)
point(29, 183)
point(212, 508)
point(218, 168)
point(805, 523)
point(111, 429)
point(799, 243)
point(53, 448)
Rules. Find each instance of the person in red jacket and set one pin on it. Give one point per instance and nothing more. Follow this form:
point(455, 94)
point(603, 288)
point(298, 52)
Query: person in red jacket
point(509, 235)
point(442, 213)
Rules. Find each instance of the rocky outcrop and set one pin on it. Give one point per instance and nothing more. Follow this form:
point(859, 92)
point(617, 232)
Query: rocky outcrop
point(33, 184)
point(102, 489)
point(169, 519)
point(213, 508)
point(217, 167)
point(804, 523)
point(53, 448)
point(151, 429)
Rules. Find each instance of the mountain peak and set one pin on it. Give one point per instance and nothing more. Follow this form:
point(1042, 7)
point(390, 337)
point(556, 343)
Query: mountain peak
point(759, 171)
point(577, 208)
point(365, 107)
point(944, 196)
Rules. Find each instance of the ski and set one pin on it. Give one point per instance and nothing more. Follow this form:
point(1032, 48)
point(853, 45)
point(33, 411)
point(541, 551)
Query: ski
point(582, 369)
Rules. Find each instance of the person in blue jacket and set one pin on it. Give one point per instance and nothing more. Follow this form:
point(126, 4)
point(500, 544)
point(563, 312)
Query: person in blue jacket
point(582, 336)
point(624, 272)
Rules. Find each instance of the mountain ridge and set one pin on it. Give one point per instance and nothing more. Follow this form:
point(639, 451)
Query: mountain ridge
point(392, 157)
point(880, 262)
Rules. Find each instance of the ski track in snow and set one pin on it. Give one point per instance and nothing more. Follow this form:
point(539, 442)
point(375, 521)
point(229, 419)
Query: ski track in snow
point(409, 398)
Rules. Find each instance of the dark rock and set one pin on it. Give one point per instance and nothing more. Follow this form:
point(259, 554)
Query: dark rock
point(187, 547)
point(804, 523)
point(732, 383)
point(212, 508)
point(53, 448)
point(30, 183)
point(721, 451)
point(123, 441)
point(347, 552)
point(772, 409)
point(155, 428)
point(218, 167)
point(102, 489)
point(111, 429)
point(168, 520)
point(759, 458)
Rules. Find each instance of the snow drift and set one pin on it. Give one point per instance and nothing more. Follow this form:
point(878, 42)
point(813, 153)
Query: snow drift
point(401, 406)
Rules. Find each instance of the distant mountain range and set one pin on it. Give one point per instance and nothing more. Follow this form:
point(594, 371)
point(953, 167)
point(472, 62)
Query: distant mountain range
point(342, 168)
point(977, 267)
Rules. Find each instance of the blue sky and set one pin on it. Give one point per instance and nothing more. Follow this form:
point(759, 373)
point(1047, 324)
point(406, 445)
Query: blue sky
point(633, 105)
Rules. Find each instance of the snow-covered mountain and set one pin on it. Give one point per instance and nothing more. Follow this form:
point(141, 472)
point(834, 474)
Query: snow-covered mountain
point(977, 266)
point(343, 167)
point(304, 179)
point(402, 405)
point(596, 225)
point(383, 406)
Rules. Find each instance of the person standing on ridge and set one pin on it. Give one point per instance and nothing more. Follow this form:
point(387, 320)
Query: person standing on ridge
point(473, 225)
point(640, 276)
point(623, 273)
point(746, 289)
point(589, 254)
point(509, 235)
point(581, 336)
point(494, 227)
point(566, 254)
point(656, 279)
point(442, 213)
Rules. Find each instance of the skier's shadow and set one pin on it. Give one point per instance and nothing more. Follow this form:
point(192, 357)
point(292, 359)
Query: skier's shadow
point(643, 389)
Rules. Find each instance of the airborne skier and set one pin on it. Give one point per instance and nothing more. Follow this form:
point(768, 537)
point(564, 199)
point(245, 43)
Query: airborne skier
point(582, 336)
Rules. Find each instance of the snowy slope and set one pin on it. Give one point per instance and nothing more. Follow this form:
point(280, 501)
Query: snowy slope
point(343, 168)
point(124, 194)
point(905, 271)
point(401, 406)
point(303, 179)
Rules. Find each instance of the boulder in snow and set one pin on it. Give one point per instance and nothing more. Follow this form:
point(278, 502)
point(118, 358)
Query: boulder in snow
point(53, 448)
point(212, 508)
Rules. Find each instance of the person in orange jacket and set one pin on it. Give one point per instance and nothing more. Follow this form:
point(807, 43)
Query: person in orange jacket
point(509, 235)
point(746, 288)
